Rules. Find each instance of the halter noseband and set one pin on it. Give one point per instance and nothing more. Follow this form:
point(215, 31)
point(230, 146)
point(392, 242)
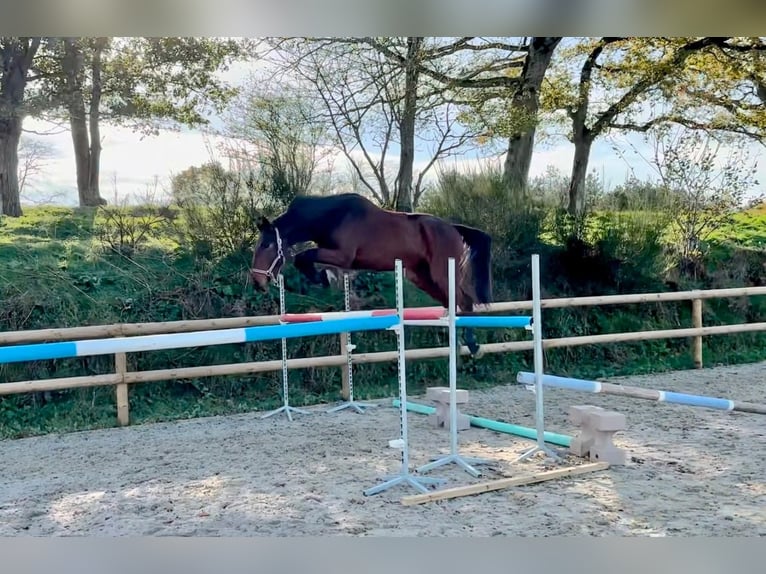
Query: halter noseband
point(280, 255)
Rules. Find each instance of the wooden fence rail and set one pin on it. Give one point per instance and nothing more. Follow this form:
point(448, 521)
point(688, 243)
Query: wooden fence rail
point(122, 378)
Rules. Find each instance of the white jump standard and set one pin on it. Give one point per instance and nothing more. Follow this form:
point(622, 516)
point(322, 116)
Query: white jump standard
point(404, 476)
point(454, 456)
point(285, 408)
point(537, 341)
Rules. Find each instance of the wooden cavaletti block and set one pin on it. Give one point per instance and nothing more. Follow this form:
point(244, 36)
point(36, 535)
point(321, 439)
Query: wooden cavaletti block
point(597, 430)
point(441, 396)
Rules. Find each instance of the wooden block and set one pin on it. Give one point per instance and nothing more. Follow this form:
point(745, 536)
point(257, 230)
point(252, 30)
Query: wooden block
point(463, 422)
point(608, 453)
point(433, 392)
point(441, 418)
point(580, 445)
point(461, 396)
point(607, 421)
point(578, 413)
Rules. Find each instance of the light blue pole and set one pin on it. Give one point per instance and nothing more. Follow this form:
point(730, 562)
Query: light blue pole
point(498, 426)
point(491, 321)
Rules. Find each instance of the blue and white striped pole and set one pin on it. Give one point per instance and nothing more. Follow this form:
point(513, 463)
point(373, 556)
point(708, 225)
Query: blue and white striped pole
point(642, 393)
point(69, 349)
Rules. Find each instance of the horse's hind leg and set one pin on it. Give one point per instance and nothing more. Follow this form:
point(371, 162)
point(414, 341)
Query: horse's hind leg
point(466, 308)
point(421, 278)
point(440, 284)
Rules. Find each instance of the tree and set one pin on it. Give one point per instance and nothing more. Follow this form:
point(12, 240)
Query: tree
point(721, 89)
point(375, 97)
point(33, 154)
point(84, 126)
point(526, 102)
point(274, 131)
point(706, 187)
point(621, 71)
point(408, 117)
point(143, 83)
point(16, 55)
point(507, 106)
point(220, 208)
point(499, 81)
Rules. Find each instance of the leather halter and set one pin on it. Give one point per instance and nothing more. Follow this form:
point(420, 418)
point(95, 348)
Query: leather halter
point(279, 256)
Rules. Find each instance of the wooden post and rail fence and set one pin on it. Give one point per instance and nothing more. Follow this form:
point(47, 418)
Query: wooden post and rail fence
point(121, 377)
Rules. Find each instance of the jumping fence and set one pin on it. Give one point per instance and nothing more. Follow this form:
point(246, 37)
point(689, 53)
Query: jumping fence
point(122, 378)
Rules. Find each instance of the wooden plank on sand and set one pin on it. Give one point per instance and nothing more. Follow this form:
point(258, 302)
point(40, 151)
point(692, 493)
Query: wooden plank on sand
point(503, 483)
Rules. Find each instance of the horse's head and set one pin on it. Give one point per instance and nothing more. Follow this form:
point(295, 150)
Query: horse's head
point(268, 255)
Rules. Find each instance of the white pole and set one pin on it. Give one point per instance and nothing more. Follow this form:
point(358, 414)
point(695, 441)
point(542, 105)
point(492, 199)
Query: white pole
point(285, 375)
point(285, 408)
point(452, 359)
point(402, 368)
point(537, 345)
point(454, 456)
point(350, 403)
point(418, 482)
point(349, 346)
point(537, 330)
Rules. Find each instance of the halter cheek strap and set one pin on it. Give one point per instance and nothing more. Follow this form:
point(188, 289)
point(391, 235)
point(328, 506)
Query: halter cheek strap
point(279, 256)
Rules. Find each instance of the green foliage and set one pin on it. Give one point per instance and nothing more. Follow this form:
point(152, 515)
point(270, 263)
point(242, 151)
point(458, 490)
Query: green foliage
point(144, 83)
point(125, 229)
point(747, 229)
point(481, 199)
point(219, 210)
point(56, 274)
point(280, 137)
point(722, 89)
point(705, 196)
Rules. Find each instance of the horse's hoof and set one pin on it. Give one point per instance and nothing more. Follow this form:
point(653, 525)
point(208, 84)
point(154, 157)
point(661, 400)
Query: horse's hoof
point(475, 350)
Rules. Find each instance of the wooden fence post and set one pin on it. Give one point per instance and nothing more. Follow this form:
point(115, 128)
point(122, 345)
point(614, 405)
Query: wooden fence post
point(697, 324)
point(121, 390)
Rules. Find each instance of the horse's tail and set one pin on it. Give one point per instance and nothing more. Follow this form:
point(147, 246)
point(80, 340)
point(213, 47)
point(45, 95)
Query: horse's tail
point(480, 246)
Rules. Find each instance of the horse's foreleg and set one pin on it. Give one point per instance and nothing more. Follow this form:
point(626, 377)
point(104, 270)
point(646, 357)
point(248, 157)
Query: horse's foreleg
point(305, 263)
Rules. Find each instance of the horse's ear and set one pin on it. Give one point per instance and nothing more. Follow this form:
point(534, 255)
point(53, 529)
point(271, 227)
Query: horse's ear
point(263, 223)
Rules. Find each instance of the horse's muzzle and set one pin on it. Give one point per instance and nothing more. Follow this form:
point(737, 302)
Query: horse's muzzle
point(260, 281)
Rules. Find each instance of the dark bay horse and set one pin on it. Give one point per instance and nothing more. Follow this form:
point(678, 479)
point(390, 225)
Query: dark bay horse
point(352, 233)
